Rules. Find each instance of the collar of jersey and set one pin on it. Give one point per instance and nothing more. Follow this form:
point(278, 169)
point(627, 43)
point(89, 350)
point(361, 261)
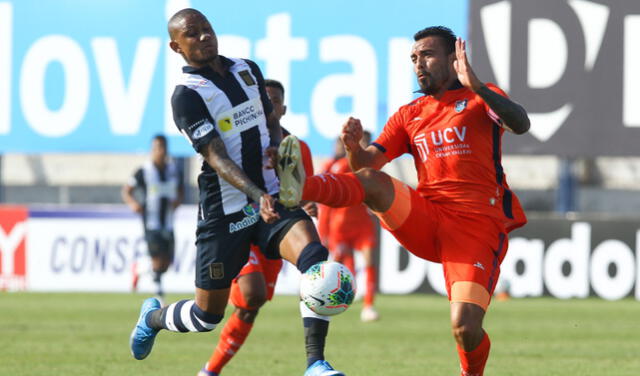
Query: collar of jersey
point(226, 62)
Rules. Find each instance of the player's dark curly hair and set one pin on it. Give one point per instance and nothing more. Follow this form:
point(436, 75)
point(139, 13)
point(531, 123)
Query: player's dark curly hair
point(446, 35)
point(161, 138)
point(274, 84)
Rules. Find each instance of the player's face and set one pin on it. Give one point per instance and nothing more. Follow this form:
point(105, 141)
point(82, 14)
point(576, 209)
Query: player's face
point(196, 40)
point(432, 64)
point(158, 151)
point(277, 99)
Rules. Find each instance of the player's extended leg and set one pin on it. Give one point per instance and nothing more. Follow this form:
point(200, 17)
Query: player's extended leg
point(301, 246)
point(200, 315)
point(218, 261)
point(373, 187)
point(248, 294)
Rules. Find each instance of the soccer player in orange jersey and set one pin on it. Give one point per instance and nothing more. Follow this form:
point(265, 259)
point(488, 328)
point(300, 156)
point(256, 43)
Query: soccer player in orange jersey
point(462, 210)
point(256, 282)
point(352, 228)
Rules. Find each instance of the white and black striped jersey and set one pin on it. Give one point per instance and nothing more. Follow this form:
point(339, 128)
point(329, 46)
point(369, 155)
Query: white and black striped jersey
point(159, 190)
point(233, 107)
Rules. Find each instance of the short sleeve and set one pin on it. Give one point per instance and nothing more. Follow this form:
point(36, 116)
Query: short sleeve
point(393, 141)
point(192, 117)
point(264, 97)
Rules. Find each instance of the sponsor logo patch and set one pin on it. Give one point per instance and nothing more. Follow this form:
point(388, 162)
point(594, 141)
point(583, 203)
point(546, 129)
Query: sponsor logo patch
point(246, 77)
point(202, 130)
point(216, 270)
point(461, 105)
point(252, 215)
point(225, 124)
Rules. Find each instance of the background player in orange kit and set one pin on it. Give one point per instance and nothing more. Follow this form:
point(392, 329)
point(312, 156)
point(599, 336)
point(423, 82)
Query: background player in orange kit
point(351, 228)
point(256, 282)
point(462, 209)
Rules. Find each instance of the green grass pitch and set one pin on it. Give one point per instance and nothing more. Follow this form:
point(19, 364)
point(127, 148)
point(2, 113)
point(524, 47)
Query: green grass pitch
point(87, 334)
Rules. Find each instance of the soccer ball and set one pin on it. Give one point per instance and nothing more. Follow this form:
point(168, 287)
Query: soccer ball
point(327, 288)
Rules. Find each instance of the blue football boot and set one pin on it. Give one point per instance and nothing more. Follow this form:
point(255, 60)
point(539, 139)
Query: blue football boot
point(322, 368)
point(142, 336)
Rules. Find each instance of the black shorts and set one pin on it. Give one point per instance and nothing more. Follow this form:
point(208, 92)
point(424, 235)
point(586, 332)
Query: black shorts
point(224, 251)
point(270, 235)
point(160, 243)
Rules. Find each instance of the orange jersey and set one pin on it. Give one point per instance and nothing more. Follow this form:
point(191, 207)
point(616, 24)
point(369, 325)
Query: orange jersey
point(456, 145)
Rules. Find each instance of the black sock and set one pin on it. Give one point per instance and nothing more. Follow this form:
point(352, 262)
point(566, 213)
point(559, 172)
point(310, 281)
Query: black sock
point(315, 332)
point(155, 320)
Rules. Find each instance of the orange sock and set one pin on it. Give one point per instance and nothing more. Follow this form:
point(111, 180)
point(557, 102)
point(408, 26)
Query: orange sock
point(472, 363)
point(348, 261)
point(370, 291)
point(334, 190)
point(232, 337)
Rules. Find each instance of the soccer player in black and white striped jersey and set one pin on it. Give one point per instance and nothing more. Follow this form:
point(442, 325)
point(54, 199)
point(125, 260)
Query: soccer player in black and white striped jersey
point(161, 186)
point(222, 108)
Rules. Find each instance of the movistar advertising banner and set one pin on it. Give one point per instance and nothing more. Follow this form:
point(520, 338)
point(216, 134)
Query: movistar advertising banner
point(95, 76)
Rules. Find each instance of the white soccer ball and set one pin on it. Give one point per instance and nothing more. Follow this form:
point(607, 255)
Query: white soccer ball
point(327, 288)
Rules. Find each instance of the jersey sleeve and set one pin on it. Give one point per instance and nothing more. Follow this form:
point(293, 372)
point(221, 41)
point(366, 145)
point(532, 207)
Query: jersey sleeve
point(393, 141)
point(264, 97)
point(192, 117)
point(488, 109)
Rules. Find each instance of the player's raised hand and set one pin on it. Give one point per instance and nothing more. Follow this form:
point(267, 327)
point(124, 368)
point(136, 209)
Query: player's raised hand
point(267, 208)
point(351, 134)
point(466, 76)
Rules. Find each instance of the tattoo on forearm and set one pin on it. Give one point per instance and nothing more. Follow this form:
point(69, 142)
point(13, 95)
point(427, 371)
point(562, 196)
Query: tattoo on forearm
point(512, 114)
point(219, 160)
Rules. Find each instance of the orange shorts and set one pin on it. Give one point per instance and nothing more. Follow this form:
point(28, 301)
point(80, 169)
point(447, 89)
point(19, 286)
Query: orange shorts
point(257, 263)
point(363, 238)
point(469, 246)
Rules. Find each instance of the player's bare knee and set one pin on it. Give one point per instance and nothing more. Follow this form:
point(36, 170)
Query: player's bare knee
point(255, 300)
point(246, 315)
point(377, 188)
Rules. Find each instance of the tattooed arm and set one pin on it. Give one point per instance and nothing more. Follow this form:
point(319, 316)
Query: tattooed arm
point(215, 153)
point(514, 117)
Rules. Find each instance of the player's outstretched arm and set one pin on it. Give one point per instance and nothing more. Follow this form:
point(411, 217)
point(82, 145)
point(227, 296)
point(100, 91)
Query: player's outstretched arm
point(215, 153)
point(358, 156)
point(514, 116)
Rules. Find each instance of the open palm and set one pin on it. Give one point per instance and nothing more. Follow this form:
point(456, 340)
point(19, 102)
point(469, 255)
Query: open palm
point(466, 76)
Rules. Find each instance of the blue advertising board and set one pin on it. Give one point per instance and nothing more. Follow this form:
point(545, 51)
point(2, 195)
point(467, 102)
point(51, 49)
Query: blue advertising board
point(95, 76)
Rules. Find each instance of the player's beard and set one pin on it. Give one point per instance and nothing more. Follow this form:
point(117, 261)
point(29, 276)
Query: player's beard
point(431, 84)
